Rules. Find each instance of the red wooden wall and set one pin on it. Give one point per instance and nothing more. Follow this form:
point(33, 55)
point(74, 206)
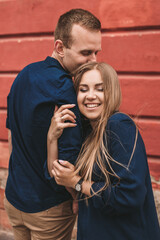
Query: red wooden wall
point(130, 43)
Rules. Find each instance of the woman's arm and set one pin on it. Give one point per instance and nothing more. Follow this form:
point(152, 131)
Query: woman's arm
point(129, 193)
point(52, 153)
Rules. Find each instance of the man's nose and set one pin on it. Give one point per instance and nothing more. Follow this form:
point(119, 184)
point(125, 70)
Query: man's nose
point(93, 57)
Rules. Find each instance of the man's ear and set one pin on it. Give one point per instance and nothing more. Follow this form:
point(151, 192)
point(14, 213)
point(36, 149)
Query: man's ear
point(59, 48)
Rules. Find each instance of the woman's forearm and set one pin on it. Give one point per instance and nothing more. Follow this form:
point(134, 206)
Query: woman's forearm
point(52, 154)
point(86, 187)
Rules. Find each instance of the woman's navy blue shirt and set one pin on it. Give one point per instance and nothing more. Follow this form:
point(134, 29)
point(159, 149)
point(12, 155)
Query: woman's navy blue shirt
point(126, 209)
point(31, 102)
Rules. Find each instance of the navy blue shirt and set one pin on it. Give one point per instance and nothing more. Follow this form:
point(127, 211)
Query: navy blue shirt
point(31, 102)
point(126, 209)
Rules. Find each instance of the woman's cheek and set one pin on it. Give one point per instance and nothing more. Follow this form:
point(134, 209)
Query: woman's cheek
point(80, 99)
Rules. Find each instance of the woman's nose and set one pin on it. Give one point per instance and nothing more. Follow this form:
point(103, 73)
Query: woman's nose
point(91, 95)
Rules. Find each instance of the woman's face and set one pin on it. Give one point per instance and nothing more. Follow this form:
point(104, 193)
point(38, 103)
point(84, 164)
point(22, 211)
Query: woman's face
point(90, 95)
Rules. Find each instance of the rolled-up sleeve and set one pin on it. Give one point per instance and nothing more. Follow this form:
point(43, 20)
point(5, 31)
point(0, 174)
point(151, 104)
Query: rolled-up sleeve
point(69, 144)
point(129, 192)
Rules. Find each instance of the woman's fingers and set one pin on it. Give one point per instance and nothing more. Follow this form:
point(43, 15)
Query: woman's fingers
point(55, 109)
point(66, 164)
point(53, 172)
point(57, 165)
point(64, 114)
point(62, 118)
point(59, 122)
point(63, 166)
point(64, 108)
point(67, 111)
point(67, 117)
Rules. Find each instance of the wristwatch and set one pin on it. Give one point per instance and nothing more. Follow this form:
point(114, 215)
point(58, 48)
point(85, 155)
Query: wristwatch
point(78, 185)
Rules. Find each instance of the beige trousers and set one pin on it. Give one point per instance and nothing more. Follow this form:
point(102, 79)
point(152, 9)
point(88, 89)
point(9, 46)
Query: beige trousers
point(55, 223)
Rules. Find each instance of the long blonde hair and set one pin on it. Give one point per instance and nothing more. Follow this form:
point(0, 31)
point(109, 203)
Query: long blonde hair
point(94, 149)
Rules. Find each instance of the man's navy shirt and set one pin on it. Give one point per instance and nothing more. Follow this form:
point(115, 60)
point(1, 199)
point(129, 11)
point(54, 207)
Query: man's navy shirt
point(31, 102)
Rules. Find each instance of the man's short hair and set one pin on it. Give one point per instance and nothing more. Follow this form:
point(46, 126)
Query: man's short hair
point(75, 16)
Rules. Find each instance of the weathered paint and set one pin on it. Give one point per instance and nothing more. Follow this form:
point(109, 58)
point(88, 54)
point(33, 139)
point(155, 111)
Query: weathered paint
point(140, 95)
point(36, 16)
point(126, 52)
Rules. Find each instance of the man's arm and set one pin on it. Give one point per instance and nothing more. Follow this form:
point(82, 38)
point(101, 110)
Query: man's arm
point(55, 131)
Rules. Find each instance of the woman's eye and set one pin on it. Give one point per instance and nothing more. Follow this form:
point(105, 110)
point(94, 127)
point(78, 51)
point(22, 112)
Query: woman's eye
point(100, 89)
point(82, 89)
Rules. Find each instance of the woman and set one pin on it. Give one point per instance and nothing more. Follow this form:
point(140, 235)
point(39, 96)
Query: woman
point(111, 172)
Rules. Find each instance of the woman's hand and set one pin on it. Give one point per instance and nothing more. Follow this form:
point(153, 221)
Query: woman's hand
point(64, 173)
point(58, 121)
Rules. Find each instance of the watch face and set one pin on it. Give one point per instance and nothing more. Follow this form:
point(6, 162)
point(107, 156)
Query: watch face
point(78, 187)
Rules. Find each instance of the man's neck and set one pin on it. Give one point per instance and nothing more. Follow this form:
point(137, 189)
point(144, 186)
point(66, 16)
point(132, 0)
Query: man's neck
point(59, 59)
point(55, 55)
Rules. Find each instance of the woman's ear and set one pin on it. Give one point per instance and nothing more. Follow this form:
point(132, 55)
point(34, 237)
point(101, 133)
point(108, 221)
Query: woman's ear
point(59, 48)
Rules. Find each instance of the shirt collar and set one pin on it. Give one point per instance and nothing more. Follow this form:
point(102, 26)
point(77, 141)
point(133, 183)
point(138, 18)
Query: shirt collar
point(52, 61)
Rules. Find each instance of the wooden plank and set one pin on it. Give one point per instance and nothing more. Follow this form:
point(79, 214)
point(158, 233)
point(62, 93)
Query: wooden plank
point(4, 155)
point(1, 198)
point(4, 221)
point(154, 167)
point(132, 51)
point(140, 95)
point(24, 51)
point(150, 131)
point(38, 15)
point(41, 16)
point(126, 14)
point(6, 81)
point(3, 129)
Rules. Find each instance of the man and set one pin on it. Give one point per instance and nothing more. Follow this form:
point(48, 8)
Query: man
point(38, 208)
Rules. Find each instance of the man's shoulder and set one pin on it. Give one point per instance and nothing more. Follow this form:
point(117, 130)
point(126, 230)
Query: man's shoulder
point(31, 67)
point(49, 68)
point(35, 65)
point(47, 75)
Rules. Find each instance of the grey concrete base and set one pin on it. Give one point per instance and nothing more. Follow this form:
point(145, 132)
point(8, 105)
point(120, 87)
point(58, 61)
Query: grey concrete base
point(6, 235)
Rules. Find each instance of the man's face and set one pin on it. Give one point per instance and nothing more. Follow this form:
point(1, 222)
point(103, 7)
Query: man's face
point(85, 46)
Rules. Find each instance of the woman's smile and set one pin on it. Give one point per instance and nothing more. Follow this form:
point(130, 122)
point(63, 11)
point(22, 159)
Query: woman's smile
point(92, 105)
